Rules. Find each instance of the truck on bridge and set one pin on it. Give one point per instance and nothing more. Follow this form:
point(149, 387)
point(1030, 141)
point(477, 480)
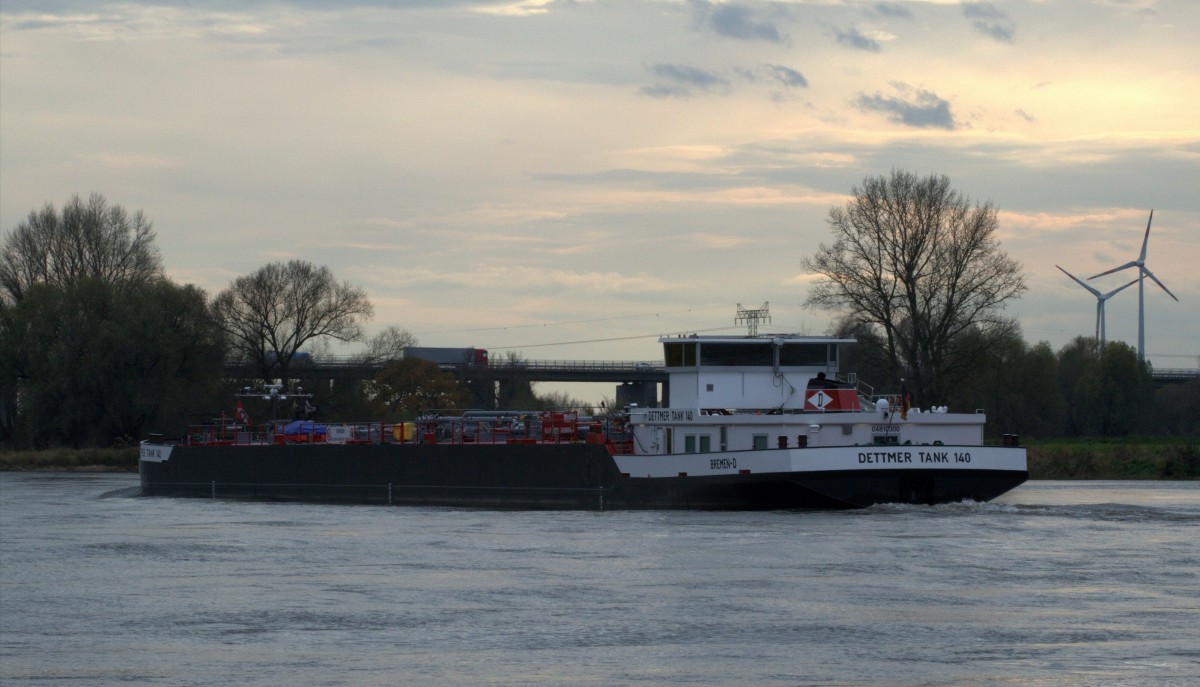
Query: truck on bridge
point(449, 356)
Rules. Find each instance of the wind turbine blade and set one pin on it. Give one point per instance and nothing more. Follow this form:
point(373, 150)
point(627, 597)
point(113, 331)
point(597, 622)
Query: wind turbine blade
point(1150, 274)
point(1060, 269)
point(1116, 269)
point(1095, 292)
point(1119, 289)
point(1146, 238)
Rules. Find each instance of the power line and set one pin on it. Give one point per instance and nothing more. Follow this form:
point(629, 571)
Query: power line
point(1173, 355)
point(615, 338)
point(1064, 330)
point(567, 322)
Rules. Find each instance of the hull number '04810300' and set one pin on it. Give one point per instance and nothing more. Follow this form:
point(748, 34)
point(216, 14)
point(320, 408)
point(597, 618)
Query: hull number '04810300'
point(722, 463)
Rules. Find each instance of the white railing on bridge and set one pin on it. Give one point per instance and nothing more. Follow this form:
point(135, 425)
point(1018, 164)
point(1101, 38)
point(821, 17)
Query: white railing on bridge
point(1175, 373)
point(359, 361)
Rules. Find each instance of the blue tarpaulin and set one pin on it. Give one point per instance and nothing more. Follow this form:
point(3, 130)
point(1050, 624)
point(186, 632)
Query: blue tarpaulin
point(305, 427)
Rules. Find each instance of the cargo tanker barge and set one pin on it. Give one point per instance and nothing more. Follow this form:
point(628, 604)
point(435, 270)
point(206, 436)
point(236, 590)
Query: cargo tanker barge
point(753, 423)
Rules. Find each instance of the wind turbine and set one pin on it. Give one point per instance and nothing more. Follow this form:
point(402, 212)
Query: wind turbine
point(1100, 298)
point(1140, 263)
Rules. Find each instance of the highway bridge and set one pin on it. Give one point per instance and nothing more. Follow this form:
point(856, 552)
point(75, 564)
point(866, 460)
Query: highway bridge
point(634, 381)
point(1178, 374)
point(339, 367)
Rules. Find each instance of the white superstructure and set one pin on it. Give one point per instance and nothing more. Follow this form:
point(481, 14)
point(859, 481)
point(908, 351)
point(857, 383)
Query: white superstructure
point(779, 391)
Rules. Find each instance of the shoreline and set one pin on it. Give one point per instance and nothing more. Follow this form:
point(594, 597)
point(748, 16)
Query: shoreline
point(1060, 460)
point(71, 460)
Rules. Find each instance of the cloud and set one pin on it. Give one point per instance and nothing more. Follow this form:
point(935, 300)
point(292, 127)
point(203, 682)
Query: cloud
point(719, 241)
point(990, 21)
point(679, 81)
point(918, 108)
point(982, 10)
point(665, 91)
point(786, 75)
point(781, 82)
point(852, 38)
point(520, 8)
point(519, 279)
point(736, 21)
point(128, 161)
point(1000, 33)
point(893, 9)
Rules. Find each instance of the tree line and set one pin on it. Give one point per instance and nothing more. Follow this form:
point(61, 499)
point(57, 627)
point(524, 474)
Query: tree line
point(916, 274)
point(98, 347)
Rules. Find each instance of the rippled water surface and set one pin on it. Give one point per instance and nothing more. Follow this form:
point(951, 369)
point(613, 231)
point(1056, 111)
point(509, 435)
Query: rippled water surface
point(1057, 583)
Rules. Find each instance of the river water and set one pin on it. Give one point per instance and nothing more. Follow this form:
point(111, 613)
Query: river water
point(1057, 584)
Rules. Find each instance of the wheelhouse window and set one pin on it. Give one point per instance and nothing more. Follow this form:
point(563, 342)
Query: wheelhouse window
point(807, 354)
point(755, 354)
point(679, 354)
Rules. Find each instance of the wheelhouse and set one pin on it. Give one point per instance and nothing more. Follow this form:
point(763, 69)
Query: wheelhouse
point(753, 372)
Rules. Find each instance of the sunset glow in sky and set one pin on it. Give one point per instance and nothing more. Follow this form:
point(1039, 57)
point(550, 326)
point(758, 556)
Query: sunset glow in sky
point(571, 179)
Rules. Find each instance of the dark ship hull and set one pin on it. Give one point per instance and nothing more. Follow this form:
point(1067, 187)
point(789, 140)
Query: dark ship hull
point(530, 476)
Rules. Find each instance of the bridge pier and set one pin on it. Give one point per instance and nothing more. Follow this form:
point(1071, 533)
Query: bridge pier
point(483, 393)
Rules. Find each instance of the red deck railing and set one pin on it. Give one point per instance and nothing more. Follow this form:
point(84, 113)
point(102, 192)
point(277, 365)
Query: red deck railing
point(551, 427)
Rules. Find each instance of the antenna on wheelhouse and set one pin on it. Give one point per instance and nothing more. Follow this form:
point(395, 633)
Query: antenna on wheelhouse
point(751, 318)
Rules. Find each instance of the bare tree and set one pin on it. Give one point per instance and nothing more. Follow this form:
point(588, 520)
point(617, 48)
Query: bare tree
point(90, 240)
point(915, 259)
point(270, 314)
point(388, 346)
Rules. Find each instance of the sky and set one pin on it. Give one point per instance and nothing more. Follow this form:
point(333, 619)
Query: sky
point(571, 180)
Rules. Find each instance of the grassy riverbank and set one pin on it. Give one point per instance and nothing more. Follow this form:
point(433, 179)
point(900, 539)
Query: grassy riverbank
point(1115, 459)
point(1062, 459)
point(72, 460)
